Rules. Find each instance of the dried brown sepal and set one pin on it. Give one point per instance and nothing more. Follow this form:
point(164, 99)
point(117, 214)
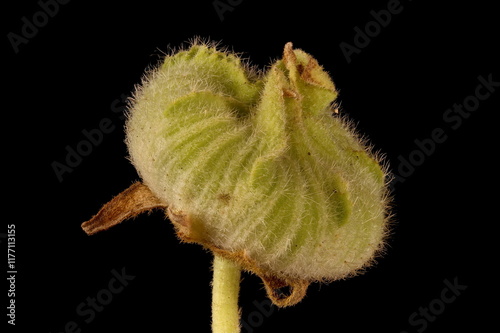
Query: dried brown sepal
point(297, 290)
point(273, 284)
point(131, 202)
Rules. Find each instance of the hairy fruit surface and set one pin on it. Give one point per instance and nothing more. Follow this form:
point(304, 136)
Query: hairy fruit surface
point(259, 168)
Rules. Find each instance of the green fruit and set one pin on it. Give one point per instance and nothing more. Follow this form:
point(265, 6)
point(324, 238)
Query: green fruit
point(259, 167)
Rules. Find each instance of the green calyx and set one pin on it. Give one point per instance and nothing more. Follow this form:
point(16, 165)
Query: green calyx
point(259, 168)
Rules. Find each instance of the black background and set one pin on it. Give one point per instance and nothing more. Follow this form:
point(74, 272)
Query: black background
point(72, 74)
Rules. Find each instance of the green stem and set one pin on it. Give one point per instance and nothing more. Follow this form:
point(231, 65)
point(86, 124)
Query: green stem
point(225, 289)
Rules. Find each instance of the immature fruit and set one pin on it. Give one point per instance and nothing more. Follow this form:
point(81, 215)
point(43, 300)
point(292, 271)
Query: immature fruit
point(258, 168)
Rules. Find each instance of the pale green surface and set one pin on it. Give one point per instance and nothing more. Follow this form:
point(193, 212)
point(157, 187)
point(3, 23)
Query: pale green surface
point(259, 163)
point(225, 290)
